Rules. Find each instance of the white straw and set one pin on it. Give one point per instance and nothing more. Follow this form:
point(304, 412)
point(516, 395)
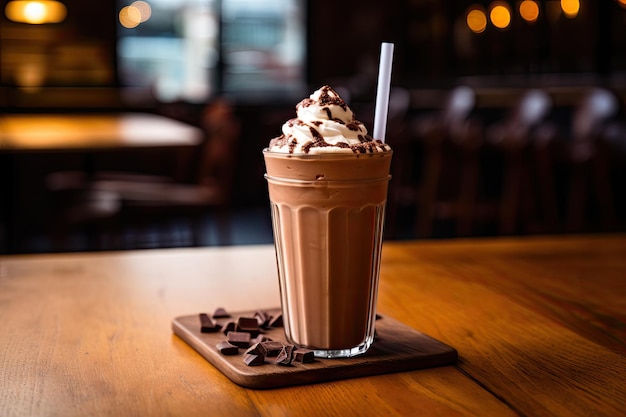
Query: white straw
point(382, 91)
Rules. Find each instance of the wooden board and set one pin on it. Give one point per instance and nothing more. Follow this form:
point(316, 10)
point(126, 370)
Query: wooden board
point(397, 348)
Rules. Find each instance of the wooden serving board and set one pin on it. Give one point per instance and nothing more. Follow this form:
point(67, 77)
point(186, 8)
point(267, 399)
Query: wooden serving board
point(396, 348)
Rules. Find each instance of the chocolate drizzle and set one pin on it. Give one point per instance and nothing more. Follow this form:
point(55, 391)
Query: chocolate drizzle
point(317, 136)
point(292, 145)
point(328, 98)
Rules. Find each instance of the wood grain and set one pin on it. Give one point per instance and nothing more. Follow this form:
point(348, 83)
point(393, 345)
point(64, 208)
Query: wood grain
point(509, 339)
point(538, 324)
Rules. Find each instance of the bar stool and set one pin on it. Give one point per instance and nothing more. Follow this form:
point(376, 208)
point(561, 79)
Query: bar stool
point(522, 139)
point(589, 162)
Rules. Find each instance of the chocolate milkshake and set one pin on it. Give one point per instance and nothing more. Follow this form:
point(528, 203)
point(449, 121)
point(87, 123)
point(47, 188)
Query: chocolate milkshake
point(327, 181)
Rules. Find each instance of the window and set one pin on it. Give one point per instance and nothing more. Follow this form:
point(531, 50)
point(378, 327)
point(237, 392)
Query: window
point(175, 48)
point(263, 47)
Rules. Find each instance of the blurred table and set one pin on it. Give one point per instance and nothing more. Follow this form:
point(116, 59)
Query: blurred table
point(28, 142)
point(90, 132)
point(539, 324)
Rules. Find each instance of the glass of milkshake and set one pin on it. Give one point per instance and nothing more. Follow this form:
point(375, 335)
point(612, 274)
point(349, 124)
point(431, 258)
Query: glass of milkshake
point(327, 181)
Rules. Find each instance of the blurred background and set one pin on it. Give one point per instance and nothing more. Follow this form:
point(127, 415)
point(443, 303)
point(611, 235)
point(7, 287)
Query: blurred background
point(139, 124)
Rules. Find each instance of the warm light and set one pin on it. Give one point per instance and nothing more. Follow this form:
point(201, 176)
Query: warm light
point(130, 17)
point(476, 19)
point(138, 12)
point(500, 15)
point(622, 3)
point(31, 75)
point(529, 10)
point(35, 12)
point(144, 9)
point(570, 7)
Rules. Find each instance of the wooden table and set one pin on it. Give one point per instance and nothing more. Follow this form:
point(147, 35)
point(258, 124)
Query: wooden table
point(91, 132)
point(539, 323)
point(32, 144)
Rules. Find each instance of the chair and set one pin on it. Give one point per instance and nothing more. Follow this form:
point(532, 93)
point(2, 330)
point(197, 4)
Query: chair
point(154, 201)
point(446, 135)
point(523, 140)
point(588, 160)
point(153, 208)
point(89, 213)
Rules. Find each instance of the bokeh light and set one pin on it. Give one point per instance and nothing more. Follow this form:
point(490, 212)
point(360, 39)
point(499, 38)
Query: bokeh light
point(130, 17)
point(36, 12)
point(500, 14)
point(570, 7)
point(144, 9)
point(138, 12)
point(529, 10)
point(476, 19)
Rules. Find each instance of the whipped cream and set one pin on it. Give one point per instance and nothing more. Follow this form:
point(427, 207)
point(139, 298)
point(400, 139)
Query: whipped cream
point(325, 124)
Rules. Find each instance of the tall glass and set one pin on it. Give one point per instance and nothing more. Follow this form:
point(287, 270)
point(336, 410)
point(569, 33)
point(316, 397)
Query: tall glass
point(328, 214)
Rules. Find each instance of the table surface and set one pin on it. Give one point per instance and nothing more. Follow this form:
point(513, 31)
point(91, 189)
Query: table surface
point(45, 132)
point(539, 324)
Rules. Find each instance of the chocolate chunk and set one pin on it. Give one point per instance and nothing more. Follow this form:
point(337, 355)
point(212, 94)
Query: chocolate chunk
point(277, 321)
point(240, 339)
point(248, 324)
point(207, 325)
point(253, 360)
point(262, 318)
point(221, 313)
point(303, 355)
point(255, 349)
point(270, 348)
point(226, 348)
point(229, 327)
point(285, 356)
